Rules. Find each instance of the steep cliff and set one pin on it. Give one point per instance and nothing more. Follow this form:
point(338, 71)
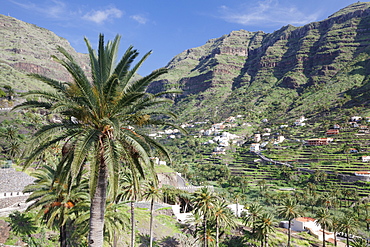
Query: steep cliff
point(280, 72)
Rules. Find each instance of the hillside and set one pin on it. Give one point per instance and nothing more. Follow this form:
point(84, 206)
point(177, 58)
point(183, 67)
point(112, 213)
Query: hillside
point(294, 70)
point(26, 48)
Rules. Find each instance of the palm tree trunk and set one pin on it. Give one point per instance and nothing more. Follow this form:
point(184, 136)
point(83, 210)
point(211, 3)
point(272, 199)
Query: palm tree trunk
point(289, 231)
point(151, 223)
point(367, 217)
point(347, 237)
point(237, 209)
point(63, 236)
point(115, 239)
point(217, 232)
point(323, 237)
point(97, 210)
point(205, 231)
point(132, 224)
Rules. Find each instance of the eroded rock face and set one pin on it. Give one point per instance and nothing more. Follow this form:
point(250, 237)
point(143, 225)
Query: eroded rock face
point(251, 64)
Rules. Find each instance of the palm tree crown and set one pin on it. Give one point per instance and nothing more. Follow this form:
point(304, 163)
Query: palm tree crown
point(102, 117)
point(289, 210)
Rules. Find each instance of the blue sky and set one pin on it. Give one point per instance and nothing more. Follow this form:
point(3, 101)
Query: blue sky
point(167, 27)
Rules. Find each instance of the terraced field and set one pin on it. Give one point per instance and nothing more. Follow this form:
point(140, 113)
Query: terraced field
point(335, 160)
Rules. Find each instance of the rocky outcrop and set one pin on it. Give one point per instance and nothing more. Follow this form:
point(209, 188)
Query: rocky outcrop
point(172, 179)
point(292, 58)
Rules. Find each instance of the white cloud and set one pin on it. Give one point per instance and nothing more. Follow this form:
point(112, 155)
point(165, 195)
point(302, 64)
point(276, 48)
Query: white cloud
point(139, 18)
point(53, 8)
point(100, 16)
point(266, 12)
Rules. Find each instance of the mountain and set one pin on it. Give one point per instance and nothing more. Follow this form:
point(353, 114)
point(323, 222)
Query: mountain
point(292, 71)
point(26, 48)
point(320, 67)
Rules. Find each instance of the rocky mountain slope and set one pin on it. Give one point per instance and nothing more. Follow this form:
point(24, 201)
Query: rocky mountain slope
point(26, 48)
point(295, 70)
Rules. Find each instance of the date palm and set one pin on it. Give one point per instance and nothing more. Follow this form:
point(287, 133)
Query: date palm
point(254, 212)
point(103, 118)
point(323, 219)
point(57, 196)
point(152, 192)
point(348, 225)
point(223, 217)
point(359, 242)
point(265, 226)
point(131, 191)
point(204, 202)
point(289, 210)
point(335, 226)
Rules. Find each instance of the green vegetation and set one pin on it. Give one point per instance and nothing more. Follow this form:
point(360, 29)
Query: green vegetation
point(85, 142)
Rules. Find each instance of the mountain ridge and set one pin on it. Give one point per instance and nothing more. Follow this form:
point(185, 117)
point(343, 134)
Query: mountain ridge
point(292, 71)
point(246, 67)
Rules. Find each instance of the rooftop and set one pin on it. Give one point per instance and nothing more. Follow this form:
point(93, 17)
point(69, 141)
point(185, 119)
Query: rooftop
point(304, 219)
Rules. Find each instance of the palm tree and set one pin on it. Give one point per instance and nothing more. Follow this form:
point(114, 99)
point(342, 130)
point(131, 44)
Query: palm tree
point(359, 242)
point(103, 119)
point(254, 213)
point(289, 210)
point(348, 224)
point(335, 227)
point(265, 226)
point(22, 224)
point(57, 195)
point(151, 193)
point(223, 218)
point(204, 203)
point(323, 219)
point(116, 218)
point(131, 191)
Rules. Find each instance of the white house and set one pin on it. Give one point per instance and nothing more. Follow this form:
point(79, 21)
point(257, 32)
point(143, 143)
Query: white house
point(363, 173)
point(257, 137)
point(303, 223)
point(365, 158)
point(300, 121)
point(240, 208)
point(181, 217)
point(157, 161)
point(255, 147)
point(356, 118)
point(280, 139)
point(309, 224)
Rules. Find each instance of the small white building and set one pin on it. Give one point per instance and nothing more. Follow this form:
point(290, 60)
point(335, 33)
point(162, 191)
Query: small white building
point(280, 139)
point(309, 224)
point(303, 223)
point(356, 118)
point(257, 137)
point(181, 217)
point(365, 158)
point(300, 121)
point(240, 208)
point(255, 147)
point(363, 173)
